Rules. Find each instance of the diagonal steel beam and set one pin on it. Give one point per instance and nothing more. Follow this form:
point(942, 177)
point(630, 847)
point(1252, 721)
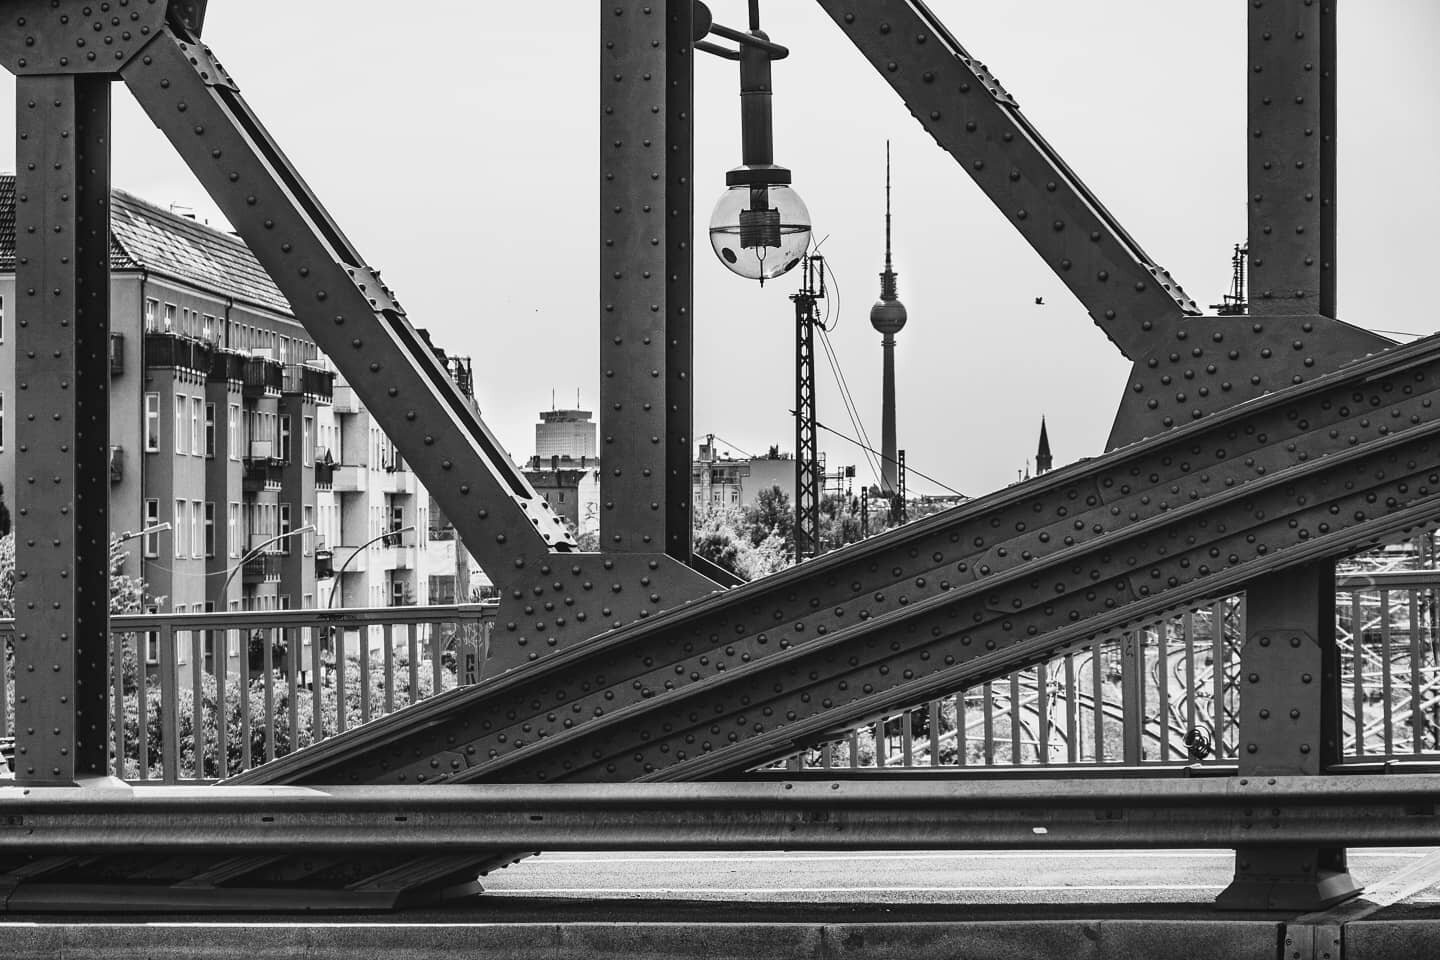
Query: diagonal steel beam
point(550, 595)
point(730, 681)
point(975, 119)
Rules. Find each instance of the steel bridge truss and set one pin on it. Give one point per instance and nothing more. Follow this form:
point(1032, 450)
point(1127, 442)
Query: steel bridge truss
point(1249, 453)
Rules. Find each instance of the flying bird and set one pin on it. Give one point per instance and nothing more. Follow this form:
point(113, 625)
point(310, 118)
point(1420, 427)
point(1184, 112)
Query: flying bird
point(1039, 301)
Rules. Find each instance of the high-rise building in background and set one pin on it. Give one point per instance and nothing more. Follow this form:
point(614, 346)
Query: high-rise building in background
point(888, 317)
point(565, 469)
point(227, 423)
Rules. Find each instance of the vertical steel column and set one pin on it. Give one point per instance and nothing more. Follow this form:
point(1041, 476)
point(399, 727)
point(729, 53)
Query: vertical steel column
point(646, 221)
point(1289, 726)
point(62, 228)
point(1292, 156)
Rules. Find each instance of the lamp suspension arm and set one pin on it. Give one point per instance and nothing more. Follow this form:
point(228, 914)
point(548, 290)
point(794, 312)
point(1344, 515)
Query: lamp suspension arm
point(973, 117)
point(343, 304)
point(704, 24)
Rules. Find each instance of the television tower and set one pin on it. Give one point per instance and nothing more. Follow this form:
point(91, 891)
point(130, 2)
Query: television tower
point(888, 316)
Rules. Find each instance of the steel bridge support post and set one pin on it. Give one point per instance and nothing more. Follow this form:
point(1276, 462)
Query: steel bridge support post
point(646, 289)
point(1289, 726)
point(1291, 157)
point(62, 336)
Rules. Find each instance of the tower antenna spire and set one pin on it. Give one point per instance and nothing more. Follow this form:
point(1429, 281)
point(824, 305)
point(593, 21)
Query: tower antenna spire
point(888, 262)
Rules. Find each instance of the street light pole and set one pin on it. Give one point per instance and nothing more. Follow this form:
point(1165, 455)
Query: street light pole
point(127, 535)
point(225, 587)
point(355, 553)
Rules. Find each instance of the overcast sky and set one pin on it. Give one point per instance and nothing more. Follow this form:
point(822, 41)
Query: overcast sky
point(456, 146)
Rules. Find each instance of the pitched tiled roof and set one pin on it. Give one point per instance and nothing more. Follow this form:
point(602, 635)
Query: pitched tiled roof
point(143, 236)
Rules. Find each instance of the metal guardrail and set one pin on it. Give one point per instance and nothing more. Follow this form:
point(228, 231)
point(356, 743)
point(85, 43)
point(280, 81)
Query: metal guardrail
point(200, 697)
point(1167, 694)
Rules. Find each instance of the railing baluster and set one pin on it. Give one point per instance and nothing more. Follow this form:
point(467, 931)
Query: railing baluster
point(317, 684)
point(1162, 686)
point(337, 650)
point(6, 704)
point(292, 680)
point(854, 741)
point(1417, 720)
point(1097, 698)
point(1015, 723)
point(1357, 643)
point(389, 641)
point(1386, 685)
point(1191, 691)
point(880, 743)
point(1042, 713)
point(363, 642)
point(935, 733)
point(413, 649)
point(1217, 659)
point(117, 700)
point(989, 705)
point(197, 718)
point(267, 660)
point(962, 734)
point(907, 735)
point(1132, 695)
point(169, 709)
point(221, 665)
point(242, 666)
point(435, 679)
point(1072, 712)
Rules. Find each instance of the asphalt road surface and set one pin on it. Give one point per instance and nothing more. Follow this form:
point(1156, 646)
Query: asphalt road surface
point(939, 877)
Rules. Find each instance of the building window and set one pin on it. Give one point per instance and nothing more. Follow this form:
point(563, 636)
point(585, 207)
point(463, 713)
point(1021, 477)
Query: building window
point(196, 544)
point(209, 528)
point(152, 423)
point(152, 306)
point(180, 538)
point(2, 319)
point(152, 647)
point(285, 437)
point(208, 332)
point(152, 519)
point(179, 423)
point(209, 429)
point(197, 435)
point(285, 528)
point(306, 438)
point(169, 318)
point(2, 423)
point(234, 431)
point(397, 593)
point(233, 528)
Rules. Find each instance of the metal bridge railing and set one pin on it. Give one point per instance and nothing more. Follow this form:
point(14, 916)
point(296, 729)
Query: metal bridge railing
point(1167, 694)
point(200, 697)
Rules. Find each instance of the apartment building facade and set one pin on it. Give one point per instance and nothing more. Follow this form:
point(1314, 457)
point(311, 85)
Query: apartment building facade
point(227, 424)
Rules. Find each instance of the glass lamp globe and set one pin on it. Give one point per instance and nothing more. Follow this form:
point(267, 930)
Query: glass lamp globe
point(760, 231)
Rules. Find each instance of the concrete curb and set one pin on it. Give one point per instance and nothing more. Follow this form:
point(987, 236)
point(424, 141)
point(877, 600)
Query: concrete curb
point(993, 940)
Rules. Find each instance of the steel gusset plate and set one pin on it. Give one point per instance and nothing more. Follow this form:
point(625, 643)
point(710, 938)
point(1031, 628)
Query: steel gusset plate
point(1005, 581)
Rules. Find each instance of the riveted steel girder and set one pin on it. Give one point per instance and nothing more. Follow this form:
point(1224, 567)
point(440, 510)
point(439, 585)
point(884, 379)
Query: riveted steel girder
point(61, 410)
point(731, 681)
point(646, 323)
point(1291, 156)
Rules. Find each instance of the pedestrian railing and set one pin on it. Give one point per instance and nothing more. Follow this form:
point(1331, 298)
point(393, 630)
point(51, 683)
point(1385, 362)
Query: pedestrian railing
point(1168, 694)
point(201, 697)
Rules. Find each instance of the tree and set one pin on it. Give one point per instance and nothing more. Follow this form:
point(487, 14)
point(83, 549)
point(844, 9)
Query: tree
point(771, 514)
point(717, 536)
point(4, 513)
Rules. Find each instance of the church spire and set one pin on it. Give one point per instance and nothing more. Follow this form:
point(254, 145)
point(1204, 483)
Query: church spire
point(1042, 452)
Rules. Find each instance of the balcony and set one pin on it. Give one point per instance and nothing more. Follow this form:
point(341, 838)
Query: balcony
point(395, 479)
point(313, 383)
point(350, 478)
point(264, 568)
point(262, 471)
point(325, 468)
point(174, 351)
point(228, 365)
point(117, 464)
point(324, 563)
point(117, 354)
point(263, 377)
point(345, 400)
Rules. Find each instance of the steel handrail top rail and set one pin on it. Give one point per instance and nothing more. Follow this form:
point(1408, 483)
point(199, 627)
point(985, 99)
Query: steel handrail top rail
point(458, 818)
point(254, 619)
